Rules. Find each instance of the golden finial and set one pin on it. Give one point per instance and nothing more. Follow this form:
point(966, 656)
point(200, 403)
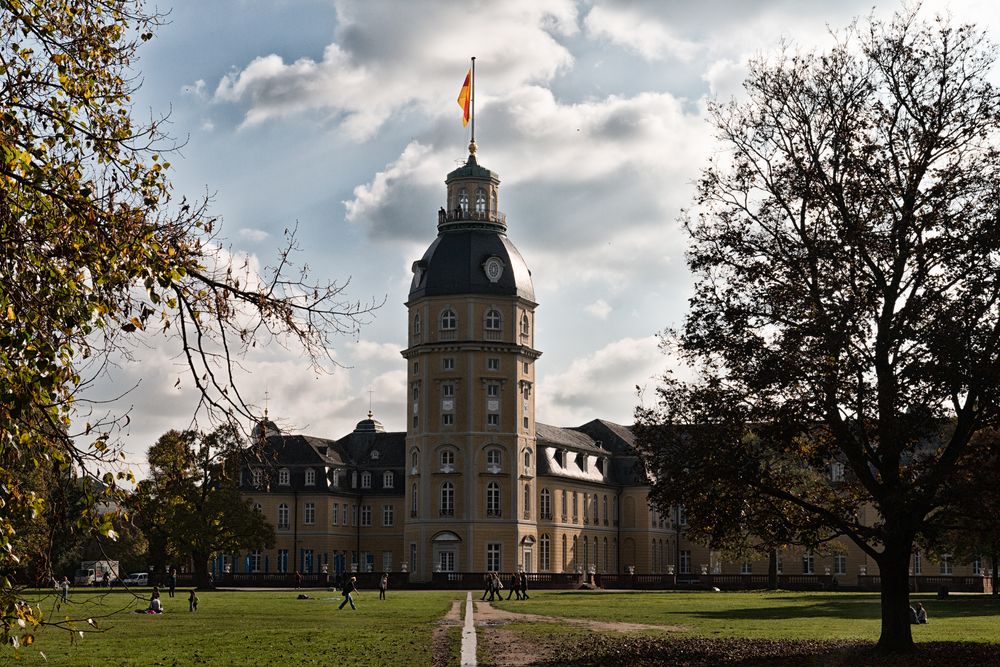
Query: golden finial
point(472, 148)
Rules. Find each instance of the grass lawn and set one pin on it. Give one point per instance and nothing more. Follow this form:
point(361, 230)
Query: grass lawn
point(774, 615)
point(244, 628)
point(275, 628)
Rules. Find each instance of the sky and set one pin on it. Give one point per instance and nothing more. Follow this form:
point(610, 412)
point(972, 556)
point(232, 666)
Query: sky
point(340, 117)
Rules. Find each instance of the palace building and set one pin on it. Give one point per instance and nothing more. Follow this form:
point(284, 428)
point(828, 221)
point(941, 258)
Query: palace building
point(475, 483)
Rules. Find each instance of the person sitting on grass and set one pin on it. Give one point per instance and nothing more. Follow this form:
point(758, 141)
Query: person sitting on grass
point(921, 613)
point(913, 615)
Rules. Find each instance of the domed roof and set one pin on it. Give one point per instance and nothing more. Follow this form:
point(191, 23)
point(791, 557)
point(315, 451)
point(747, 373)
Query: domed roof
point(369, 425)
point(456, 263)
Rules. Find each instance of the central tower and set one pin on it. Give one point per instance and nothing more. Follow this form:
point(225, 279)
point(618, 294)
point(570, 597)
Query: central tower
point(470, 438)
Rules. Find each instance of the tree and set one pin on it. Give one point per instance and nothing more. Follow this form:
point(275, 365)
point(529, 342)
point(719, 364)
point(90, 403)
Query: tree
point(845, 310)
point(96, 254)
point(191, 505)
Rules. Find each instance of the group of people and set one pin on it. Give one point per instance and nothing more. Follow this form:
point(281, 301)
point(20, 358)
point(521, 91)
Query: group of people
point(492, 585)
point(156, 605)
point(918, 615)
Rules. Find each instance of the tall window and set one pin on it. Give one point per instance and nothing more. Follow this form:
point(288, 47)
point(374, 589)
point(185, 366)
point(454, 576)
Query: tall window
point(493, 561)
point(493, 320)
point(565, 554)
point(493, 390)
point(684, 567)
point(597, 519)
point(387, 479)
point(282, 560)
point(310, 514)
point(387, 561)
point(492, 499)
point(605, 510)
point(574, 553)
point(564, 515)
point(447, 499)
point(334, 514)
point(480, 200)
point(575, 513)
point(917, 564)
point(977, 565)
point(493, 364)
point(527, 462)
point(345, 517)
point(448, 390)
point(366, 480)
point(413, 500)
point(255, 561)
point(945, 565)
point(545, 505)
point(414, 458)
point(257, 478)
point(494, 458)
point(310, 477)
point(527, 501)
point(586, 510)
point(525, 325)
point(416, 324)
point(808, 563)
point(366, 515)
point(463, 201)
point(447, 459)
point(449, 321)
point(446, 561)
point(336, 478)
point(282, 515)
point(544, 553)
point(388, 518)
point(284, 477)
point(840, 564)
point(746, 567)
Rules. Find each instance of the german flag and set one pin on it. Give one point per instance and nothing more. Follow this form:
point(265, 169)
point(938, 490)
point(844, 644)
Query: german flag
point(464, 98)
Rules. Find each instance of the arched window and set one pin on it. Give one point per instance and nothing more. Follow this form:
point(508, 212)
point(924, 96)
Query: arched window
point(413, 500)
point(525, 325)
point(480, 200)
point(527, 501)
point(573, 555)
point(310, 477)
point(282, 515)
point(257, 507)
point(586, 554)
point(414, 458)
point(527, 462)
point(366, 480)
point(544, 553)
point(605, 510)
point(493, 201)
point(565, 561)
point(416, 324)
point(596, 517)
point(284, 477)
point(463, 201)
point(493, 320)
point(447, 499)
point(387, 479)
point(607, 563)
point(545, 505)
point(449, 321)
point(447, 460)
point(492, 499)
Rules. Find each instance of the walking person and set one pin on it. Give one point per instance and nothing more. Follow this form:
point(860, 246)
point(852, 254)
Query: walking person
point(497, 585)
point(193, 601)
point(487, 585)
point(173, 581)
point(524, 585)
point(65, 589)
point(349, 587)
point(515, 586)
point(383, 584)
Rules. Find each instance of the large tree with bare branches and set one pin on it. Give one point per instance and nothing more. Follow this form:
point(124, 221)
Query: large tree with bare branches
point(845, 249)
point(94, 252)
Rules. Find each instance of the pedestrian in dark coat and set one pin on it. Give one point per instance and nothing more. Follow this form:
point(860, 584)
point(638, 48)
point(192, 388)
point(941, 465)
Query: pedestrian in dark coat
point(515, 586)
point(349, 587)
point(383, 584)
point(487, 585)
point(524, 585)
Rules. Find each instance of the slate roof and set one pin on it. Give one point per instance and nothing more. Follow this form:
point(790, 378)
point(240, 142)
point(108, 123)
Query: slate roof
point(453, 264)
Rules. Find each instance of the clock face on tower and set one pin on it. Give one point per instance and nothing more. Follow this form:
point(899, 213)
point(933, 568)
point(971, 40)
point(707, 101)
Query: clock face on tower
point(493, 267)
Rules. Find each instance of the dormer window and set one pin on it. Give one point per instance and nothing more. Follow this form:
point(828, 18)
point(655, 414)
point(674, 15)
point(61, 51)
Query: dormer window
point(387, 479)
point(284, 477)
point(335, 481)
point(449, 321)
point(256, 478)
point(493, 320)
point(310, 477)
point(366, 480)
point(560, 458)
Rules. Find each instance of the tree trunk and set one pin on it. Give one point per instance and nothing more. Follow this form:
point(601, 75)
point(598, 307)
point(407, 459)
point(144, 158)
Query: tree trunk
point(772, 570)
point(201, 577)
point(994, 575)
point(894, 563)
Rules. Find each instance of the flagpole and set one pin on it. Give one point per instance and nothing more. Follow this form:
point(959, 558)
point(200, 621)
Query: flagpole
point(472, 103)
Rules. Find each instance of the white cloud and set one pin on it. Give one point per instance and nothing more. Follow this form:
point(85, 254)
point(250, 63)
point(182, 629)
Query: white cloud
point(365, 350)
point(196, 89)
point(601, 384)
point(390, 56)
point(725, 78)
point(255, 235)
point(628, 27)
point(599, 309)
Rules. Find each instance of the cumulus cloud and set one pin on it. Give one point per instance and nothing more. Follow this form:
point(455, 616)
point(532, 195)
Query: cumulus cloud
point(599, 309)
point(382, 49)
point(196, 89)
point(255, 235)
point(628, 27)
point(601, 384)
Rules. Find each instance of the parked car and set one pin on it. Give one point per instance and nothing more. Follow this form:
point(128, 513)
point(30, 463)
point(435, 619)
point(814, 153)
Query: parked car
point(137, 579)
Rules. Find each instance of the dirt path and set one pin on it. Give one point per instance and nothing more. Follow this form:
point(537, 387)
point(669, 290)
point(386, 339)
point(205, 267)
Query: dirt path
point(441, 648)
point(508, 648)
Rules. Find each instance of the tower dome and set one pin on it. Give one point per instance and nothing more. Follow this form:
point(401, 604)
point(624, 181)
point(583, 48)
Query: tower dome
point(472, 254)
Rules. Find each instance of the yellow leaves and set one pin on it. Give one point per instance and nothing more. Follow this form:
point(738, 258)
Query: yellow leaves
point(10, 314)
